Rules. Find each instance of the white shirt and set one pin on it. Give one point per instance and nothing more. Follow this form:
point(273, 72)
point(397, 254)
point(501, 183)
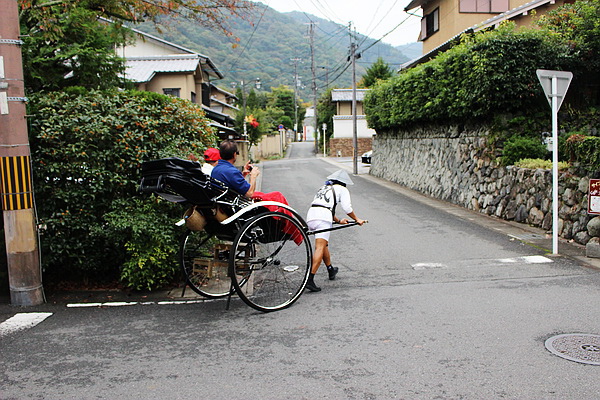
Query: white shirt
point(207, 169)
point(324, 197)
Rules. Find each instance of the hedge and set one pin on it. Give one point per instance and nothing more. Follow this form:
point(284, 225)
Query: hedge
point(87, 150)
point(486, 74)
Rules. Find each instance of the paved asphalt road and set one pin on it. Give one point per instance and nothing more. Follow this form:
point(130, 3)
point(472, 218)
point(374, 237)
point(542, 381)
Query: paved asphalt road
point(429, 303)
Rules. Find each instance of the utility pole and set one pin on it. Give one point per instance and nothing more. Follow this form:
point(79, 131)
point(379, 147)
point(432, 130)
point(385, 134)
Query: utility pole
point(16, 189)
point(296, 84)
point(314, 83)
point(354, 127)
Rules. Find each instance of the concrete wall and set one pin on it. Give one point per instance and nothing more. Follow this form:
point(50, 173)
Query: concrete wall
point(457, 166)
point(343, 127)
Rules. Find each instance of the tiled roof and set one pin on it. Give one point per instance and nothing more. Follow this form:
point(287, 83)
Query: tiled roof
point(142, 69)
point(346, 94)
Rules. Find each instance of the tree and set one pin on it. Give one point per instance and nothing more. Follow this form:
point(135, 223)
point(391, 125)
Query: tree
point(210, 13)
point(81, 55)
point(578, 24)
point(379, 70)
point(66, 44)
point(326, 109)
point(284, 98)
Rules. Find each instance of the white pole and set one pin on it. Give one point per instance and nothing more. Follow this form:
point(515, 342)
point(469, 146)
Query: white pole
point(554, 165)
point(324, 142)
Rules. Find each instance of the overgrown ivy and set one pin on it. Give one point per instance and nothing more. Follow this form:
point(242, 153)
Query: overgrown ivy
point(88, 149)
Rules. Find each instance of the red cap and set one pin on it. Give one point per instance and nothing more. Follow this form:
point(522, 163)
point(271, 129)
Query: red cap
point(212, 154)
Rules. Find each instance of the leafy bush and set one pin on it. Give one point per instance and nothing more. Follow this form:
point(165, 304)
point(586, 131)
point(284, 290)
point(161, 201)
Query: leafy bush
point(147, 230)
point(88, 150)
point(538, 163)
point(521, 147)
point(486, 74)
point(585, 150)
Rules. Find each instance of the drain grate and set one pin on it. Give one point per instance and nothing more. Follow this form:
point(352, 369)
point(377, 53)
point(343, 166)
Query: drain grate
point(578, 347)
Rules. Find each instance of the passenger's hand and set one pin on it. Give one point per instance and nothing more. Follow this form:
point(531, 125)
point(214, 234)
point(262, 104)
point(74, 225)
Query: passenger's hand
point(255, 172)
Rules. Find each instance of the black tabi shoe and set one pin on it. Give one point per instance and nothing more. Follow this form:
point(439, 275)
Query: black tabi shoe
point(332, 272)
point(310, 285)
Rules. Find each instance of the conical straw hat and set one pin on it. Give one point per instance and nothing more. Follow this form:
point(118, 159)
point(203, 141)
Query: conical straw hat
point(341, 176)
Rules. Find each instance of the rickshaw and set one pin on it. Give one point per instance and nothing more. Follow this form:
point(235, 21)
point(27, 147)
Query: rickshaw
point(257, 250)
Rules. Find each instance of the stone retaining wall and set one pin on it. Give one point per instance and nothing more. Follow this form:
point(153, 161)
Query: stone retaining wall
point(456, 166)
point(343, 147)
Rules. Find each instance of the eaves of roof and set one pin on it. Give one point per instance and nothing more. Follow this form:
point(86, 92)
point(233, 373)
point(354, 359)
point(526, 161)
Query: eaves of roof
point(222, 127)
point(143, 69)
point(494, 21)
point(217, 116)
point(521, 10)
point(346, 94)
point(415, 4)
point(214, 99)
point(225, 92)
point(214, 71)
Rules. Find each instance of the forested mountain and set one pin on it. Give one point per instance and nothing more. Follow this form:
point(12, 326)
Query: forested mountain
point(275, 47)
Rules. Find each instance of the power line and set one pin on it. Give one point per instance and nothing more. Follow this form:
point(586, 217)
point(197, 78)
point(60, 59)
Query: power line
point(233, 65)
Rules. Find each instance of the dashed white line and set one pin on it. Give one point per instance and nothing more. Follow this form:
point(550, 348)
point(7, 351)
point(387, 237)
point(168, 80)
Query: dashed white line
point(22, 321)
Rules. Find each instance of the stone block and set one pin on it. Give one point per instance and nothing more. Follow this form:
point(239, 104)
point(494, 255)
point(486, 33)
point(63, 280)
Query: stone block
point(593, 227)
point(522, 213)
point(582, 237)
point(592, 248)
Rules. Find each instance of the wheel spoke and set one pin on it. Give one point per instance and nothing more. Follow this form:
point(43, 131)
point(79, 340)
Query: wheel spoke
point(275, 266)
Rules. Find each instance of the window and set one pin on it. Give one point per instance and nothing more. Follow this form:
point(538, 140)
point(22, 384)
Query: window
point(430, 24)
point(172, 92)
point(483, 6)
point(193, 97)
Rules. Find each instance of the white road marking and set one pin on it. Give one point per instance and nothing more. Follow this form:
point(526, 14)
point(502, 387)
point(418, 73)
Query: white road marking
point(527, 260)
point(484, 262)
point(22, 321)
point(421, 266)
point(133, 303)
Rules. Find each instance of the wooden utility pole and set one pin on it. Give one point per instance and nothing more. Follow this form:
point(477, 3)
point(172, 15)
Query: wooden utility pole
point(354, 123)
point(16, 190)
point(314, 84)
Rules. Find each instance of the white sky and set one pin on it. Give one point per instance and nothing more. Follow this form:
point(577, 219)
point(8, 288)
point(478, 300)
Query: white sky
point(373, 18)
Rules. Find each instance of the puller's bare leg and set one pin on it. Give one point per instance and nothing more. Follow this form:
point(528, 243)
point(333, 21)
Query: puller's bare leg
point(320, 251)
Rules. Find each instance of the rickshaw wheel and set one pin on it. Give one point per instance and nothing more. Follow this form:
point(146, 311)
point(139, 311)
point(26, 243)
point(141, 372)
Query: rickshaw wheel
point(204, 260)
point(270, 261)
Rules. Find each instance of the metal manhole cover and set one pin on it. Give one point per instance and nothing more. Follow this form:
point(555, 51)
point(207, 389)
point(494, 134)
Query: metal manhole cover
point(578, 347)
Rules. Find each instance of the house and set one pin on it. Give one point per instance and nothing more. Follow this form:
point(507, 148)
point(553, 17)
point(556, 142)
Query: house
point(308, 125)
point(343, 124)
point(156, 65)
point(444, 21)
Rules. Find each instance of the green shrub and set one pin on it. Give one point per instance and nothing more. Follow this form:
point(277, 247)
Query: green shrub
point(538, 163)
point(520, 147)
point(585, 150)
point(485, 75)
point(87, 151)
point(147, 229)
